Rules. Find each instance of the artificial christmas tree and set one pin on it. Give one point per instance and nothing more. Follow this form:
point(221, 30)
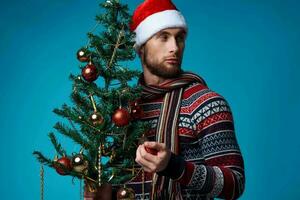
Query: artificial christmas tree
point(104, 115)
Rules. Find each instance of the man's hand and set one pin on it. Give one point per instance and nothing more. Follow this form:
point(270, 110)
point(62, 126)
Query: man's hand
point(153, 163)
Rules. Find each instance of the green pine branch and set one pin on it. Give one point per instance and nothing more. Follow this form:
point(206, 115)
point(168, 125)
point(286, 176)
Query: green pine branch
point(107, 49)
point(65, 111)
point(42, 159)
point(72, 134)
point(81, 102)
point(57, 145)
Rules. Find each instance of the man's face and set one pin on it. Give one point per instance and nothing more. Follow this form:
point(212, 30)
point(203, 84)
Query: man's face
point(162, 53)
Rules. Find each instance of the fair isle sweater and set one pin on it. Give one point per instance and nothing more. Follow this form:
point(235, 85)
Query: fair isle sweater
point(210, 164)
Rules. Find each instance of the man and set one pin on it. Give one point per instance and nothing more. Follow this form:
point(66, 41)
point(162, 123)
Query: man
point(192, 152)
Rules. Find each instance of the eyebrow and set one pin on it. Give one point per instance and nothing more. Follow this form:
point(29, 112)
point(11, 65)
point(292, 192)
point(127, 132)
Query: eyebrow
point(167, 33)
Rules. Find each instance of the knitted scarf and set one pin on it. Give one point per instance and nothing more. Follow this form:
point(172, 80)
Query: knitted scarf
point(167, 128)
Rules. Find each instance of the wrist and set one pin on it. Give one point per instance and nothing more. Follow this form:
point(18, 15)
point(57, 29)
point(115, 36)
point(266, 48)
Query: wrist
point(174, 168)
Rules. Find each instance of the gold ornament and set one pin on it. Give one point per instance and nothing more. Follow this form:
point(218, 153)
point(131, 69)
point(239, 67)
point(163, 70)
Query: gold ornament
point(125, 193)
point(80, 163)
point(97, 119)
point(83, 55)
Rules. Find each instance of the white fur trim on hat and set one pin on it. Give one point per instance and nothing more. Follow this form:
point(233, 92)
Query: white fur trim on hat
point(157, 22)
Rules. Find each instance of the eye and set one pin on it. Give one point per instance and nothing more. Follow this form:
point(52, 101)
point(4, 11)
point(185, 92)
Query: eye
point(164, 37)
point(180, 38)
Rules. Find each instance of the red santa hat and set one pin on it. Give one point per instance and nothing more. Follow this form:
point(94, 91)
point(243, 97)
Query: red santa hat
point(153, 16)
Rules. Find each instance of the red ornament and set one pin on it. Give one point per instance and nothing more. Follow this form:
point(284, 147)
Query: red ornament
point(136, 111)
point(152, 151)
point(90, 72)
point(66, 163)
point(121, 117)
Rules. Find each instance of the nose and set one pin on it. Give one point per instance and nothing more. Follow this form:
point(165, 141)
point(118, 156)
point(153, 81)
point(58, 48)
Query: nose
point(173, 46)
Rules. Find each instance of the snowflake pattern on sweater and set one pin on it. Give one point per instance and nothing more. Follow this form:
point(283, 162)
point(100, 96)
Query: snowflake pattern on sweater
point(212, 166)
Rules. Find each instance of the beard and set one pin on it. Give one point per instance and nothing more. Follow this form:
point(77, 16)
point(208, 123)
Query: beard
point(160, 69)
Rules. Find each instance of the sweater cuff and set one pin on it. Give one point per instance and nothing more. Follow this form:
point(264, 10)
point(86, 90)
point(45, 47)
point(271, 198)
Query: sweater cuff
point(175, 167)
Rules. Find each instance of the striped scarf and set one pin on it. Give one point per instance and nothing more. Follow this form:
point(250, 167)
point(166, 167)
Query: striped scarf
point(167, 128)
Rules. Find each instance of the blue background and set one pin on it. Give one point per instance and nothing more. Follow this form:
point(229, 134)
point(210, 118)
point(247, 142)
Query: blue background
point(246, 50)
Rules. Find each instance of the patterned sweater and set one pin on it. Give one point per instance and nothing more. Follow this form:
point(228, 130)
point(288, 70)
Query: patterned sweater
point(210, 163)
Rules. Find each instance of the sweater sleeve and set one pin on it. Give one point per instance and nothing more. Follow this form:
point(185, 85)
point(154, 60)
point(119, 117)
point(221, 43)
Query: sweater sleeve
point(213, 164)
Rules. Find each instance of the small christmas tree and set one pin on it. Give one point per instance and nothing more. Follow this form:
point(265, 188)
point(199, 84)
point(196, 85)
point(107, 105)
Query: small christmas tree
point(103, 120)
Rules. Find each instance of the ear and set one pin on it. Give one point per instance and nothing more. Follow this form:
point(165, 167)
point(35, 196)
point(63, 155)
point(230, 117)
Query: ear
point(141, 51)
